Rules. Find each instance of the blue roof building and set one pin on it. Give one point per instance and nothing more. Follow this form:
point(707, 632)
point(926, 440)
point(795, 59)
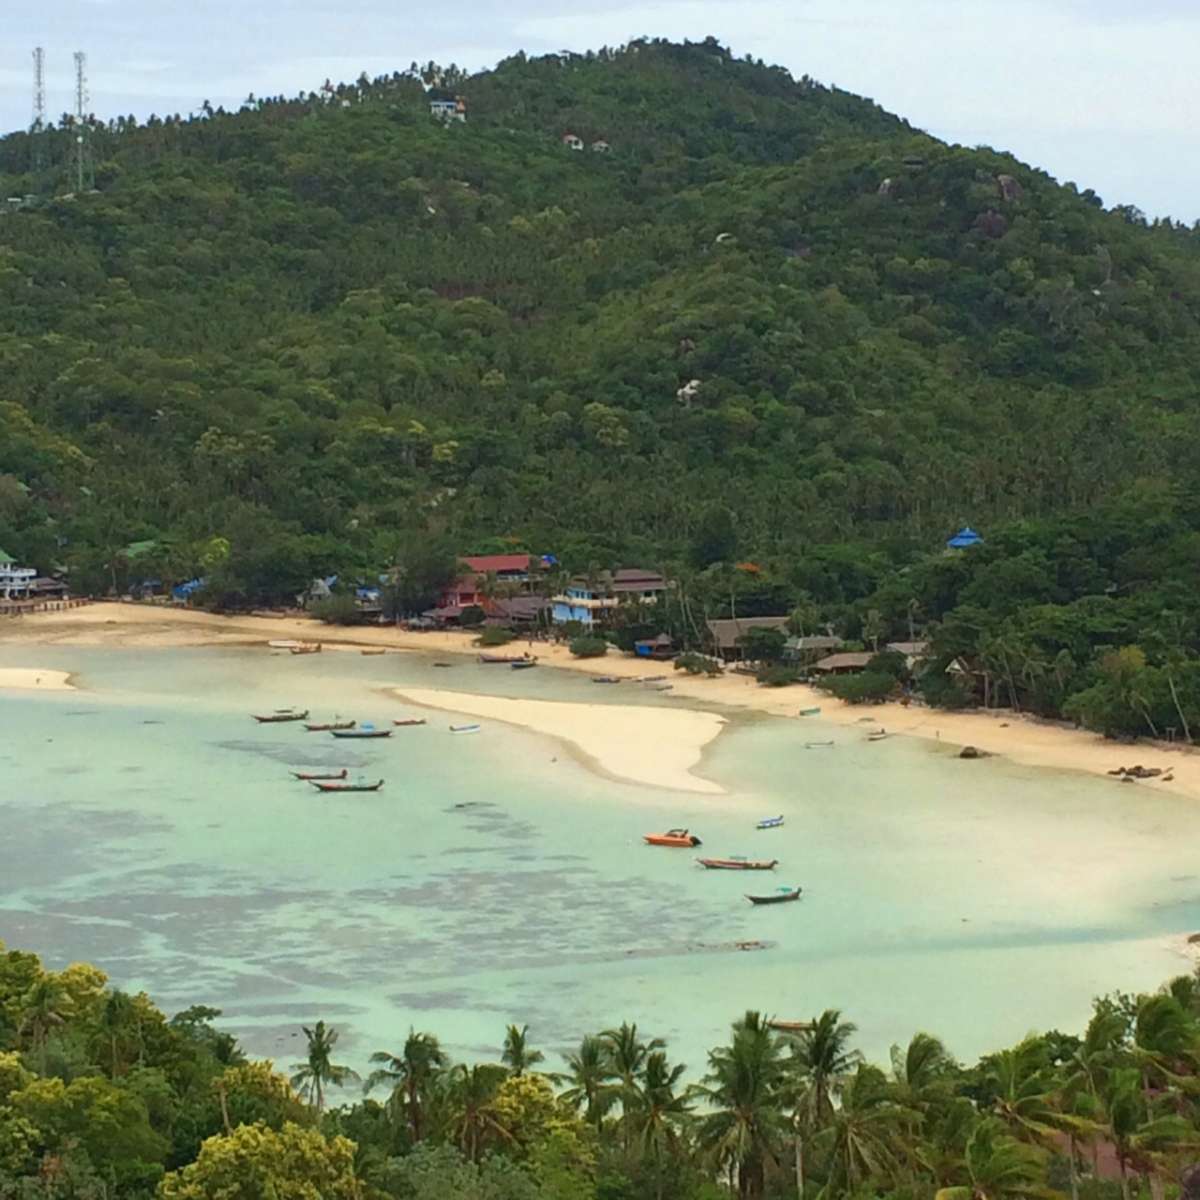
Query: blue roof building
point(964, 539)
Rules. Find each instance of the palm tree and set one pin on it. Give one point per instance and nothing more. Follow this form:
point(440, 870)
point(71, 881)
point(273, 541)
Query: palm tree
point(1164, 1038)
point(411, 1075)
point(821, 1060)
point(1138, 1136)
point(516, 1055)
point(995, 1167)
point(863, 1137)
point(654, 1112)
point(44, 1007)
point(627, 1054)
point(589, 1070)
point(1021, 1082)
point(924, 1066)
point(116, 1018)
point(312, 1076)
point(468, 1095)
point(745, 1128)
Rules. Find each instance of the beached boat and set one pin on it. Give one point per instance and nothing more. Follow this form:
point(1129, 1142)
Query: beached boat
point(283, 644)
point(329, 726)
point(652, 679)
point(280, 715)
point(791, 1026)
point(738, 864)
point(606, 679)
point(306, 648)
point(313, 776)
point(464, 728)
point(769, 823)
point(782, 896)
point(357, 786)
point(661, 687)
point(523, 665)
point(673, 837)
point(372, 652)
point(366, 731)
point(809, 712)
point(503, 658)
point(406, 721)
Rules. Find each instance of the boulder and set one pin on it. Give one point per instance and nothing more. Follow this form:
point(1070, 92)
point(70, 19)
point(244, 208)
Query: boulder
point(973, 752)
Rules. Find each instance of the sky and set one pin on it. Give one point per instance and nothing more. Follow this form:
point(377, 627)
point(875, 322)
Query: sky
point(1104, 93)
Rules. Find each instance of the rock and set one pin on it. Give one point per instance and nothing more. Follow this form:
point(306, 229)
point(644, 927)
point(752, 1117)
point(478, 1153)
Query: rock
point(973, 752)
point(1194, 939)
point(1010, 189)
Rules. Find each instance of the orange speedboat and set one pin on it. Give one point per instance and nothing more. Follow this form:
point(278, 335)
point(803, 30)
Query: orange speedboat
point(673, 837)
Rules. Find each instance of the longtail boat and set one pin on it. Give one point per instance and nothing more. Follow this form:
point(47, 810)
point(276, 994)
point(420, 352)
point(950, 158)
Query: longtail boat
point(405, 721)
point(808, 712)
point(673, 837)
point(359, 786)
point(283, 644)
point(523, 664)
point(782, 896)
point(372, 652)
point(367, 731)
point(738, 864)
point(306, 648)
point(791, 1026)
point(769, 823)
point(313, 776)
point(330, 726)
point(502, 658)
point(878, 735)
point(818, 745)
point(464, 728)
point(279, 716)
point(606, 679)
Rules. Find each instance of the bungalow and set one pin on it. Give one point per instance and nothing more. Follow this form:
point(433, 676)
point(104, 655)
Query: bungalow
point(589, 602)
point(805, 650)
point(914, 652)
point(600, 146)
point(16, 583)
point(572, 141)
point(660, 648)
point(843, 664)
point(726, 632)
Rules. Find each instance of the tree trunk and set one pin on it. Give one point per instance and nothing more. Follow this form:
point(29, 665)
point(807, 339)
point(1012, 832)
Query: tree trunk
point(799, 1148)
point(1187, 733)
point(1073, 1166)
point(1124, 1178)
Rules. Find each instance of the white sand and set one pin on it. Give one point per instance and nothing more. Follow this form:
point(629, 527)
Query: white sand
point(653, 746)
point(35, 678)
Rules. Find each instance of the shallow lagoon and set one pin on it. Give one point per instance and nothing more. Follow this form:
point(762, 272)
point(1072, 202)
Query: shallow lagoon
point(151, 827)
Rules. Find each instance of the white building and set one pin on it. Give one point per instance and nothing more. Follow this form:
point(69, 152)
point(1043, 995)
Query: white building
point(572, 141)
point(16, 583)
point(449, 110)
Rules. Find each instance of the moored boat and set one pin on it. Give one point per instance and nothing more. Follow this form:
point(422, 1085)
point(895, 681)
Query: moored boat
point(365, 731)
point(738, 864)
point(329, 726)
point(305, 648)
point(523, 665)
point(503, 658)
point(606, 679)
point(283, 644)
point(819, 745)
point(356, 786)
point(808, 712)
point(280, 715)
point(782, 896)
point(372, 652)
point(405, 721)
point(673, 837)
point(769, 823)
point(790, 1026)
point(878, 735)
point(313, 776)
point(464, 728)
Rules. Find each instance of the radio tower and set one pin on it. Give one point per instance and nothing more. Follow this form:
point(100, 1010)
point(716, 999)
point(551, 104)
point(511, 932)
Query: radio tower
point(85, 173)
point(37, 130)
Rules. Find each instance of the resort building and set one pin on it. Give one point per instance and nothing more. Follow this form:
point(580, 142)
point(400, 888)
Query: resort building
point(591, 602)
point(804, 651)
point(448, 110)
point(844, 664)
point(660, 648)
point(914, 652)
point(500, 584)
point(726, 633)
point(16, 583)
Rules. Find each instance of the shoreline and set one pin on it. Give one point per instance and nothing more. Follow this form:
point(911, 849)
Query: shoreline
point(35, 679)
point(998, 732)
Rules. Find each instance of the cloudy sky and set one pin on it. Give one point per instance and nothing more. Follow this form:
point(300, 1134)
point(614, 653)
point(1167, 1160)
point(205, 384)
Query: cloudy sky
point(1102, 92)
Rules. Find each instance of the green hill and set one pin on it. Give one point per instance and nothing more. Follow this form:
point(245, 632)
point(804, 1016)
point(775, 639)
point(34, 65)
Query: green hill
point(312, 327)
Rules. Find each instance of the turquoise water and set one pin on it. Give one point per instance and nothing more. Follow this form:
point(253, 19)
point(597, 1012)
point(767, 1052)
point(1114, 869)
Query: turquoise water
point(152, 828)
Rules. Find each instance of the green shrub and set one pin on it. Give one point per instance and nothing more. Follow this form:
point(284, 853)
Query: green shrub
point(698, 664)
point(762, 645)
point(571, 629)
point(336, 610)
point(777, 676)
point(868, 688)
point(472, 616)
point(589, 647)
point(889, 662)
point(494, 635)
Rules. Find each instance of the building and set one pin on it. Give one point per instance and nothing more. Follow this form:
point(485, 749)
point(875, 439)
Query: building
point(964, 539)
point(16, 583)
point(726, 632)
point(448, 110)
point(843, 664)
point(914, 652)
point(600, 146)
point(591, 601)
point(806, 650)
point(660, 648)
point(515, 571)
point(572, 141)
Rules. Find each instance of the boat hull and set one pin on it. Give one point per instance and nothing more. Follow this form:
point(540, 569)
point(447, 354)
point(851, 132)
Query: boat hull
point(663, 839)
point(778, 898)
point(347, 787)
point(738, 864)
point(314, 776)
point(361, 733)
point(280, 718)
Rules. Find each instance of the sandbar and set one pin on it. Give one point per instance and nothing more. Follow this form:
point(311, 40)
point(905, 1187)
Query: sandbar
point(639, 744)
point(35, 679)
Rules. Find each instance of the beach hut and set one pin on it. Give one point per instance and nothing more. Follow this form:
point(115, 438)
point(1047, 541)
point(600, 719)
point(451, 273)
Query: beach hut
point(805, 650)
point(727, 631)
point(843, 664)
point(659, 648)
point(964, 539)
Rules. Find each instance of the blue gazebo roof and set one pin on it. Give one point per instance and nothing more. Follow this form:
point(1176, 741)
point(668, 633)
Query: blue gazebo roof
point(964, 538)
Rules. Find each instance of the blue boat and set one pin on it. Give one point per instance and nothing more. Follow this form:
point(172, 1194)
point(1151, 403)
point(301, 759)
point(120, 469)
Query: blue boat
point(769, 823)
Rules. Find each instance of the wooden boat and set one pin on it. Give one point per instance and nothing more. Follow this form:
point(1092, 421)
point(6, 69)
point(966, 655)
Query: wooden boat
point(464, 728)
point(769, 823)
point(442, 664)
point(284, 644)
point(782, 896)
point(878, 735)
point(503, 658)
point(330, 726)
point(367, 731)
point(405, 721)
point(808, 712)
point(313, 776)
point(359, 786)
point(652, 679)
point(280, 715)
point(662, 687)
point(606, 679)
point(818, 745)
point(673, 837)
point(372, 652)
point(306, 648)
point(790, 1026)
point(523, 665)
point(738, 864)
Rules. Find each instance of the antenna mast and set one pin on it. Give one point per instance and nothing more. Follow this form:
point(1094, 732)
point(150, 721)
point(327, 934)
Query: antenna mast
point(85, 174)
point(38, 128)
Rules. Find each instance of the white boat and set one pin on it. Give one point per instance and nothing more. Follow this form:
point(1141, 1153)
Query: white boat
point(464, 728)
point(284, 644)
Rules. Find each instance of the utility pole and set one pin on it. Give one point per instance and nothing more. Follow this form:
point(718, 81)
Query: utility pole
point(85, 173)
point(37, 129)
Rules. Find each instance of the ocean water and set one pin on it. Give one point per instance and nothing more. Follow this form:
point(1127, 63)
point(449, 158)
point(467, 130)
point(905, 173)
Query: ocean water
point(150, 826)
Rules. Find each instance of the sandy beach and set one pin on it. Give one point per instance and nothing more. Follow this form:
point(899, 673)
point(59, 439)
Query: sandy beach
point(636, 744)
point(34, 678)
point(1019, 738)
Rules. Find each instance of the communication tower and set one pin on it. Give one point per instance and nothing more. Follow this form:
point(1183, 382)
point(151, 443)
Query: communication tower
point(85, 170)
point(37, 129)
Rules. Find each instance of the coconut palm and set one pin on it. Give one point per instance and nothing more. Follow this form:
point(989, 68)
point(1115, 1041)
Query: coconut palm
point(410, 1075)
point(863, 1139)
point(746, 1128)
point(1022, 1086)
point(654, 1112)
point(117, 1023)
point(1139, 1137)
point(923, 1070)
point(44, 1007)
point(468, 1094)
point(589, 1070)
point(1164, 1039)
point(995, 1166)
point(319, 1071)
point(516, 1055)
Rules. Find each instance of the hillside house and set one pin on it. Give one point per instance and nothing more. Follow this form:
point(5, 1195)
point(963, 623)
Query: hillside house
point(964, 539)
point(448, 110)
point(600, 146)
point(572, 141)
point(726, 632)
point(591, 602)
point(16, 583)
point(804, 651)
point(914, 652)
